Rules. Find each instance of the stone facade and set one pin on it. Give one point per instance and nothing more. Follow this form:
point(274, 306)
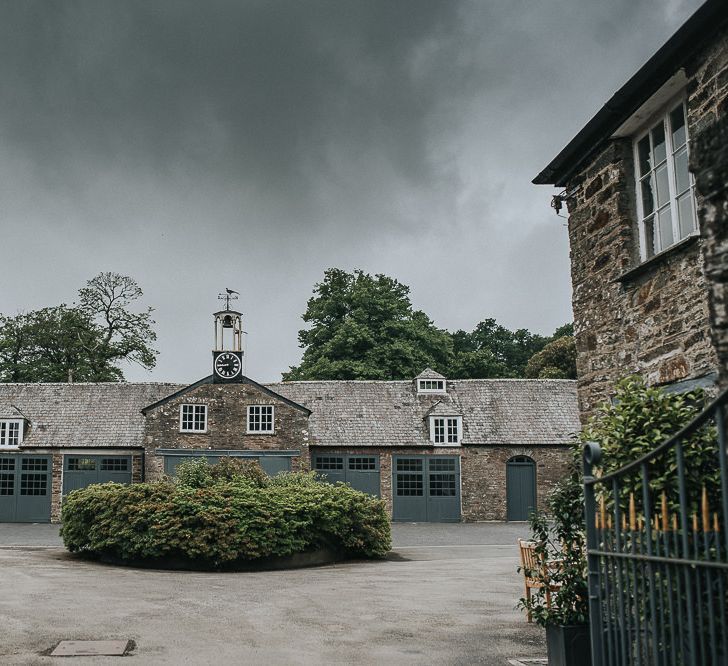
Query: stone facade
point(650, 318)
point(710, 165)
point(482, 473)
point(226, 424)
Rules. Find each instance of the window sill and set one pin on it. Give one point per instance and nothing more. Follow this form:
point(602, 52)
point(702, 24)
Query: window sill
point(260, 432)
point(194, 432)
point(446, 446)
point(658, 259)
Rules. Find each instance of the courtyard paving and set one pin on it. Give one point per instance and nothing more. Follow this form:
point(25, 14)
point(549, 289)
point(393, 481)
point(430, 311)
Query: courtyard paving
point(446, 595)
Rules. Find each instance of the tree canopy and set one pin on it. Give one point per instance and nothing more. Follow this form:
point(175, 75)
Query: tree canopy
point(364, 327)
point(83, 342)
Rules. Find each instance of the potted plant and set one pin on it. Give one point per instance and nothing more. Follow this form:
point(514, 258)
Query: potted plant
point(560, 603)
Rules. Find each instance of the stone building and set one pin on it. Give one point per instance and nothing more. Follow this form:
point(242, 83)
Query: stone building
point(640, 298)
point(434, 449)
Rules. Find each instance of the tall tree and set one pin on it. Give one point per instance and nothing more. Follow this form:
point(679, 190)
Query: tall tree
point(492, 350)
point(80, 343)
point(557, 360)
point(363, 327)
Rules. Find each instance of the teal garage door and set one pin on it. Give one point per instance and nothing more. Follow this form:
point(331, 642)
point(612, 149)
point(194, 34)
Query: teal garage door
point(271, 464)
point(360, 471)
point(25, 489)
point(520, 487)
point(81, 471)
point(426, 489)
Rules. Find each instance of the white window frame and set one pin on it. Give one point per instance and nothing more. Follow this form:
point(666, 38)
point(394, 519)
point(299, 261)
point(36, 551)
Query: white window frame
point(195, 407)
point(439, 389)
point(5, 427)
point(272, 420)
point(441, 429)
point(662, 117)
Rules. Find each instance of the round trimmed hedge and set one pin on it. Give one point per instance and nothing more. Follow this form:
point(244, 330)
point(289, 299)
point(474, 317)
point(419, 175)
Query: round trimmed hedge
point(217, 515)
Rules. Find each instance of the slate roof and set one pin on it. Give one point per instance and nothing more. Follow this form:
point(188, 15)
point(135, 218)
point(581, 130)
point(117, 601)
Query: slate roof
point(382, 413)
point(429, 373)
point(82, 415)
point(343, 413)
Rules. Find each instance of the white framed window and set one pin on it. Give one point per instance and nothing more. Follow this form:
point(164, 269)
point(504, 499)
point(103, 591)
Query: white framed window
point(446, 430)
point(430, 386)
point(11, 433)
point(193, 418)
point(665, 187)
point(260, 419)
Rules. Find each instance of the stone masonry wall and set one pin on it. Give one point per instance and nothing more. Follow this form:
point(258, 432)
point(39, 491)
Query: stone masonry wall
point(226, 425)
point(482, 473)
point(710, 165)
point(650, 319)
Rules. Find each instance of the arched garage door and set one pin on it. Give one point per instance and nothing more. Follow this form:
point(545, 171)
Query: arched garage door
point(520, 487)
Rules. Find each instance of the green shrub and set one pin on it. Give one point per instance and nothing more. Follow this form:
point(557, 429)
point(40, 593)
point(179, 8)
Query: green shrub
point(637, 420)
point(215, 521)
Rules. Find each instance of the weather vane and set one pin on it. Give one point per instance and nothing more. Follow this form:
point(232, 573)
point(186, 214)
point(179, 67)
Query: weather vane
point(230, 295)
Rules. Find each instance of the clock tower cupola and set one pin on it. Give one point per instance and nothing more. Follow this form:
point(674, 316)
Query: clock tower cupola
point(227, 354)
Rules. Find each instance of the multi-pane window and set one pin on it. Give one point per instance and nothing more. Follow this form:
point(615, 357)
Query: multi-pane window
point(445, 430)
point(193, 418)
point(10, 433)
point(362, 464)
point(329, 463)
point(114, 465)
point(260, 418)
point(431, 385)
point(665, 189)
point(81, 464)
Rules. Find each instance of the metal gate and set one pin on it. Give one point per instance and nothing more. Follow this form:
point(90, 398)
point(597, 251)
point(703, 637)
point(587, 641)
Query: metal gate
point(80, 471)
point(520, 488)
point(426, 488)
point(360, 471)
point(25, 489)
point(658, 556)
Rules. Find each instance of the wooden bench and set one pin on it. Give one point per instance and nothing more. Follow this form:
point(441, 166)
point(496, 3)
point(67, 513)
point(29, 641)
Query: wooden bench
point(530, 564)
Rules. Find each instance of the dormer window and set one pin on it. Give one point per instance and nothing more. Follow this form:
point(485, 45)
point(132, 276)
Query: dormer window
point(11, 433)
point(430, 386)
point(193, 418)
point(446, 430)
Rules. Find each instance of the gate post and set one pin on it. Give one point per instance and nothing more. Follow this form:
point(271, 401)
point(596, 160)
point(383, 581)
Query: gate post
point(591, 456)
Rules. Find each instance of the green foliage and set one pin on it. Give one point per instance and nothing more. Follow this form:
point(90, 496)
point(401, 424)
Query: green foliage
point(364, 327)
point(557, 360)
point(216, 516)
point(80, 343)
point(636, 421)
point(561, 546)
point(639, 419)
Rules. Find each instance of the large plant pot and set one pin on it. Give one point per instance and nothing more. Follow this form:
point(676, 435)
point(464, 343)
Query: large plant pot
point(568, 646)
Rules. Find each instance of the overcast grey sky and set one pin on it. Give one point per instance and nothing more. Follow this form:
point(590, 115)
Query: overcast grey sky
point(252, 144)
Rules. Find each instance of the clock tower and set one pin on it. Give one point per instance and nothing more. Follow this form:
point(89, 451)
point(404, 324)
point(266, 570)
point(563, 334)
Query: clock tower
point(227, 355)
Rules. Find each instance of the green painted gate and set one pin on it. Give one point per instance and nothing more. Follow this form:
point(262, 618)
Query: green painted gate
point(25, 489)
point(271, 464)
point(80, 471)
point(520, 488)
point(360, 471)
point(426, 489)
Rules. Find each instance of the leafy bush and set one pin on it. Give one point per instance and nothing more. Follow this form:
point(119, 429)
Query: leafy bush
point(635, 422)
point(642, 417)
point(216, 515)
point(561, 547)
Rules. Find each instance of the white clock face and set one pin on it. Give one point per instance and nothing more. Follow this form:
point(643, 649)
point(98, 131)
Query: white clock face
point(227, 365)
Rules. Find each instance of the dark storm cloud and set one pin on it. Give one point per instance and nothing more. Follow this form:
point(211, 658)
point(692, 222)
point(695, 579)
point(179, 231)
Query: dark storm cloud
point(197, 145)
point(253, 91)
